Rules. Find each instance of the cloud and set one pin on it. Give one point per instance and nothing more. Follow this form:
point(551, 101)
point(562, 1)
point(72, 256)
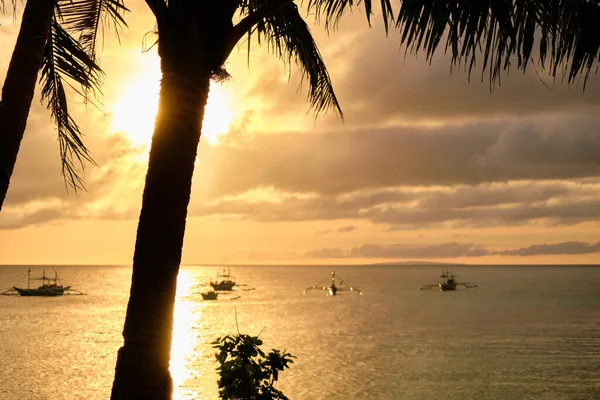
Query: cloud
point(392, 86)
point(115, 192)
point(37, 193)
point(344, 229)
point(570, 248)
point(508, 204)
point(450, 250)
point(339, 162)
point(326, 253)
point(37, 171)
point(566, 213)
point(14, 220)
point(487, 160)
point(444, 250)
point(377, 83)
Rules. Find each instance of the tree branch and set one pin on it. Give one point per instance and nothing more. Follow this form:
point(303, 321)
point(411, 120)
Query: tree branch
point(247, 23)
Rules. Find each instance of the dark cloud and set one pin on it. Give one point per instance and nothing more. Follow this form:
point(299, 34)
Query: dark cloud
point(346, 161)
point(568, 248)
point(344, 229)
point(377, 82)
point(41, 216)
point(37, 194)
point(393, 82)
point(444, 250)
point(502, 195)
point(484, 205)
point(553, 203)
point(451, 250)
point(302, 209)
point(566, 213)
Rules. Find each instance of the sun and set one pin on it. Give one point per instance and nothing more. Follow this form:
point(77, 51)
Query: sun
point(135, 110)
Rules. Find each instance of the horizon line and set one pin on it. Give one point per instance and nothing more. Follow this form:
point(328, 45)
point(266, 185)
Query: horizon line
point(385, 264)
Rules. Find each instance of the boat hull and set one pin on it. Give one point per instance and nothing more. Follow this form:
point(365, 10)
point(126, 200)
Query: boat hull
point(42, 292)
point(224, 285)
point(209, 295)
point(444, 287)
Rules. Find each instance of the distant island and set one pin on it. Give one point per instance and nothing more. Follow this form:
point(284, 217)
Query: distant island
point(417, 263)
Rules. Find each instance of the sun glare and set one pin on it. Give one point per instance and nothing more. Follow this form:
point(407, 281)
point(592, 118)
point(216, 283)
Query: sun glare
point(218, 114)
point(135, 111)
point(183, 338)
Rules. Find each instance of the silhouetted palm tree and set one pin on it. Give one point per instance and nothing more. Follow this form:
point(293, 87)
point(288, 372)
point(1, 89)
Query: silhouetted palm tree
point(45, 42)
point(194, 40)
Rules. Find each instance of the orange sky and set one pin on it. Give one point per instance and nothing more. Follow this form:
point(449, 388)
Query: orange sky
point(425, 166)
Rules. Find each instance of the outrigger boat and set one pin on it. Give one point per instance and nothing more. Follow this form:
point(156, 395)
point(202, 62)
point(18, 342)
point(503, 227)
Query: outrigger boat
point(50, 287)
point(449, 283)
point(224, 281)
point(332, 289)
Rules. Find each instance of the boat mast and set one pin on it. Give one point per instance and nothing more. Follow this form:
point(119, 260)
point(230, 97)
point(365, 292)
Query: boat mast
point(28, 276)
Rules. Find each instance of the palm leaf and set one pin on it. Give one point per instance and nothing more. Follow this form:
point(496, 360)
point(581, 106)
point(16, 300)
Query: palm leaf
point(564, 35)
point(333, 10)
point(84, 19)
point(3, 6)
point(502, 30)
point(74, 60)
point(65, 57)
point(287, 35)
point(572, 29)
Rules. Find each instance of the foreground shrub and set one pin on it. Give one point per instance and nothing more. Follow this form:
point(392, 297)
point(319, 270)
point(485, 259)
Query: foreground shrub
point(246, 372)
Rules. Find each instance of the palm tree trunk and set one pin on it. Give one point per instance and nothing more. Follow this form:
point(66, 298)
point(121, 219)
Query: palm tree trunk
point(142, 370)
point(19, 86)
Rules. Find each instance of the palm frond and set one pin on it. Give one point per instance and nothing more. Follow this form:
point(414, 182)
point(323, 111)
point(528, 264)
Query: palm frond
point(287, 35)
point(84, 19)
point(74, 58)
point(502, 30)
point(333, 10)
point(573, 30)
point(64, 57)
point(3, 6)
point(564, 35)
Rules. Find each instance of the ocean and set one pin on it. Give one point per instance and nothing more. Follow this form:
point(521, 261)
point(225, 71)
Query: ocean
point(526, 332)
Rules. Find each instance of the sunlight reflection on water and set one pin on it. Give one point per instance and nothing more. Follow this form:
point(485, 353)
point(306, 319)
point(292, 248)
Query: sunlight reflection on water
point(184, 338)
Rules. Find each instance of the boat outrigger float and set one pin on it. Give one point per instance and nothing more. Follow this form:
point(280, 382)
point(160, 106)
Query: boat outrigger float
point(50, 287)
point(332, 289)
point(449, 283)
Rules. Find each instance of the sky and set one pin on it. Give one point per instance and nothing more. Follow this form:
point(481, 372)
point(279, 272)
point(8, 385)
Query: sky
point(427, 164)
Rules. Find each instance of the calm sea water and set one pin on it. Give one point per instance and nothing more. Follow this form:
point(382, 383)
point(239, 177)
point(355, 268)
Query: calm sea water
point(524, 333)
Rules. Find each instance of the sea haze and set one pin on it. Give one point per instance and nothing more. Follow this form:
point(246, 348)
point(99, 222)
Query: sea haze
point(526, 332)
